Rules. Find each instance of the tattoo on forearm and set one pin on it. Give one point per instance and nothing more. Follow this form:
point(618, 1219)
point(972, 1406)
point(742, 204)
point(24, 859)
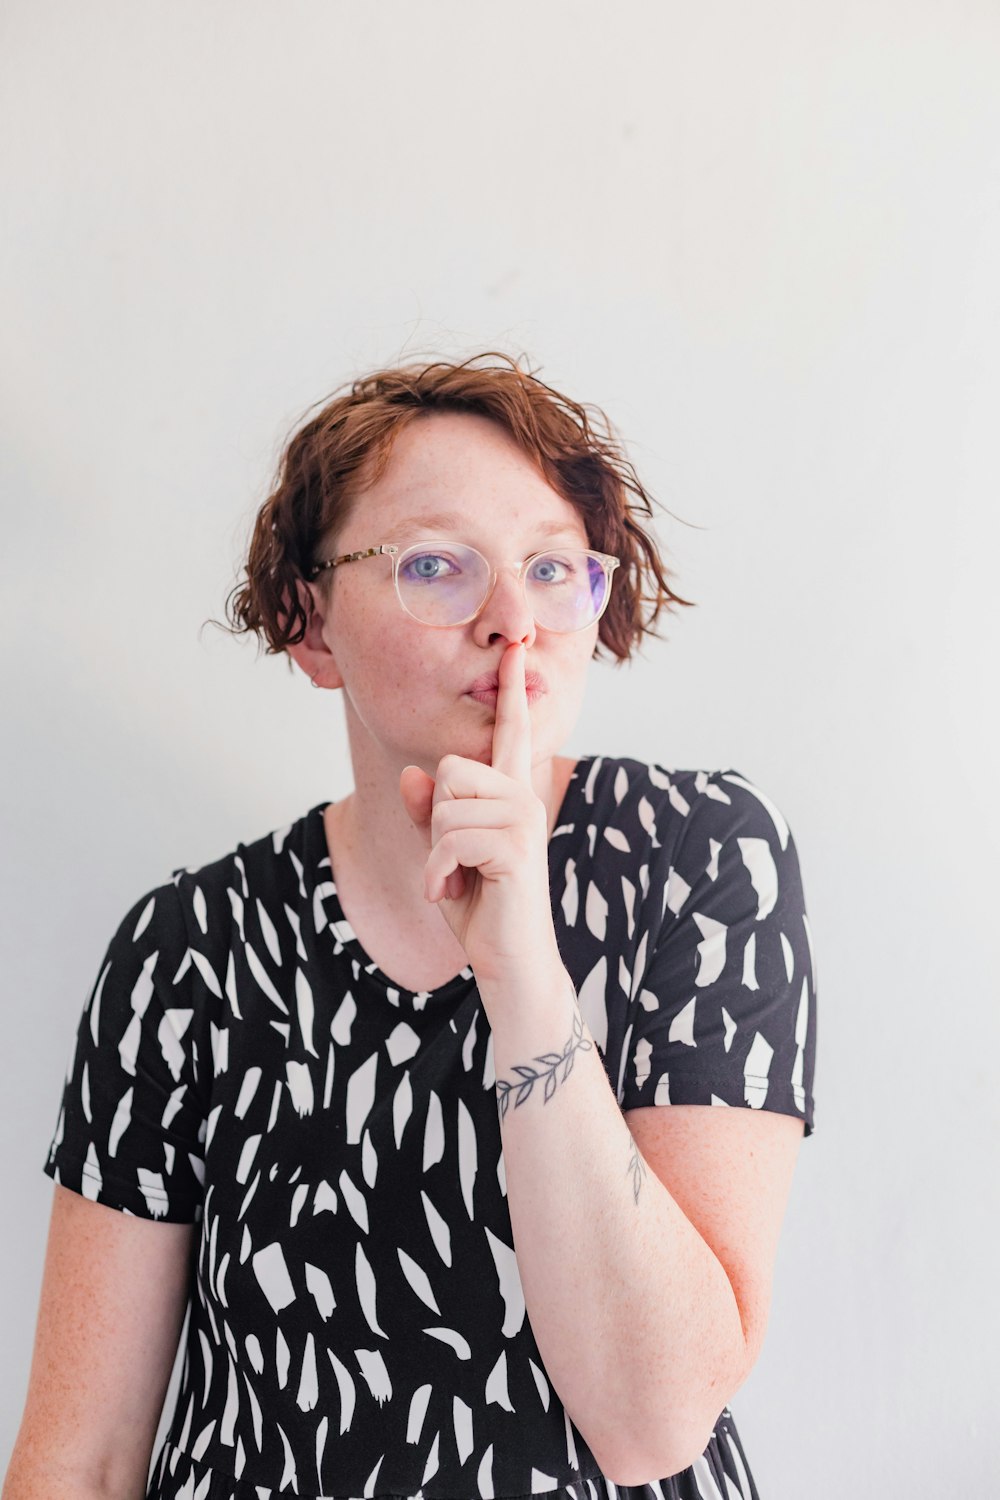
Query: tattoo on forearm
point(637, 1167)
point(551, 1063)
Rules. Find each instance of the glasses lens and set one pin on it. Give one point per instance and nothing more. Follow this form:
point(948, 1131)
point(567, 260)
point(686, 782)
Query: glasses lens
point(566, 589)
point(445, 584)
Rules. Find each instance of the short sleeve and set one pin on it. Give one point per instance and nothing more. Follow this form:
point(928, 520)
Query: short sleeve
point(725, 1011)
point(131, 1130)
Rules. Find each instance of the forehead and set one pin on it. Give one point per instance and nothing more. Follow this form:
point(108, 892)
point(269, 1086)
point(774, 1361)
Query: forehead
point(462, 475)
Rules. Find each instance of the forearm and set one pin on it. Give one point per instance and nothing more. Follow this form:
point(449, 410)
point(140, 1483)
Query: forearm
point(39, 1469)
point(634, 1316)
point(29, 1480)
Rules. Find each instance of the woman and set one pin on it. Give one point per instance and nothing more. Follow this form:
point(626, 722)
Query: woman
point(379, 1097)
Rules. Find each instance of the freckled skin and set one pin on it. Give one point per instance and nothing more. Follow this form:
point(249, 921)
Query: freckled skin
point(404, 683)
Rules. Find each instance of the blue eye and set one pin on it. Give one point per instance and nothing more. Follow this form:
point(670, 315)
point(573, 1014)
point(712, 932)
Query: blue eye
point(418, 572)
point(547, 562)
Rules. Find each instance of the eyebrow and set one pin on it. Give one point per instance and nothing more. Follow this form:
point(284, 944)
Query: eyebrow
point(451, 520)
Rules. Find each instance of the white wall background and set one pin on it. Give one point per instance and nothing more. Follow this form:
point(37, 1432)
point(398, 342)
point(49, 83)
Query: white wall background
point(765, 239)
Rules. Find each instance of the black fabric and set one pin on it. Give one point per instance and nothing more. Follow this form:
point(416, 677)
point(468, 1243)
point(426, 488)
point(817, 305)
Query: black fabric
point(357, 1324)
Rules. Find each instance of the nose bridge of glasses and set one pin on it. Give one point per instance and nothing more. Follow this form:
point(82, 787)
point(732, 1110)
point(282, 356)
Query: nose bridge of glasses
point(497, 573)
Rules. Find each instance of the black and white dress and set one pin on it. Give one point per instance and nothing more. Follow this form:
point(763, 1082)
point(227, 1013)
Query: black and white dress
point(356, 1323)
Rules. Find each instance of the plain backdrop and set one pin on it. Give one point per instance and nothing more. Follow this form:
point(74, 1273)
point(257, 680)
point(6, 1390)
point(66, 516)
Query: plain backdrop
point(765, 240)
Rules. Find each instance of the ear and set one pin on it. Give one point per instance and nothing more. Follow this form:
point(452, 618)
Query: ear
point(312, 653)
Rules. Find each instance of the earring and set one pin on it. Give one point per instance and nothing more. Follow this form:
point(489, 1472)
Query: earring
point(313, 678)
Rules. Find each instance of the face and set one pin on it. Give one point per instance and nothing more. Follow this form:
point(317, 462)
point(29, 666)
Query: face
point(405, 683)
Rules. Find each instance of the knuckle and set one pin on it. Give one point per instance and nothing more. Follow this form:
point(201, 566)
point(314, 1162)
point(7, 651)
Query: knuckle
point(443, 844)
point(440, 819)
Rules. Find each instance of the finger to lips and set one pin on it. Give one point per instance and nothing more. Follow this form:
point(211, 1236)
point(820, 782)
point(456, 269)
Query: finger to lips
point(511, 752)
point(512, 725)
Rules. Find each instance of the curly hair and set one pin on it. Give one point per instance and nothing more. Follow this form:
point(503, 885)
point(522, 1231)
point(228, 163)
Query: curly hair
point(335, 455)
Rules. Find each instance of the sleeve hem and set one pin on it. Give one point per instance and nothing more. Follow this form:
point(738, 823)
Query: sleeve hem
point(118, 1192)
point(720, 1087)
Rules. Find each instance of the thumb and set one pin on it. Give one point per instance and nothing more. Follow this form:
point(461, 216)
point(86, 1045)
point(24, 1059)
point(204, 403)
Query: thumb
point(416, 790)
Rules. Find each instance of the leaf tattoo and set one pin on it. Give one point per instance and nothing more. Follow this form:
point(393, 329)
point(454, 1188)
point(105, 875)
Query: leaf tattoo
point(551, 1062)
point(637, 1167)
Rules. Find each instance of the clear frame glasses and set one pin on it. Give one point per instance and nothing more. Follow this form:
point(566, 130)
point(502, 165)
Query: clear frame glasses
point(444, 583)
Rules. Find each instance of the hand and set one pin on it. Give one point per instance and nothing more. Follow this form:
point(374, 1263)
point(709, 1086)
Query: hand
point(487, 833)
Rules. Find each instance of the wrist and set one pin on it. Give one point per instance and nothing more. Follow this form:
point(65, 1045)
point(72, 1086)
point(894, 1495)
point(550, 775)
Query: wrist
point(541, 986)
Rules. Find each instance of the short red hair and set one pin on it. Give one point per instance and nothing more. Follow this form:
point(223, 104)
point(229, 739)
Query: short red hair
point(335, 455)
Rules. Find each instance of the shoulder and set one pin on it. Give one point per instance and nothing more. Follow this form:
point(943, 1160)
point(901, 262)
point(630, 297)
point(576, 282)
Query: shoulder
point(264, 872)
point(677, 808)
point(182, 932)
point(732, 821)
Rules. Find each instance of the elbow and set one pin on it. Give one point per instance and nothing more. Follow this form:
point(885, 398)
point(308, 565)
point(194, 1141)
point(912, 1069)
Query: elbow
point(635, 1467)
point(661, 1448)
point(632, 1469)
point(661, 1454)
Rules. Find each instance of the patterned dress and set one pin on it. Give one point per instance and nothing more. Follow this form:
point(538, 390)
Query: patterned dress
point(356, 1323)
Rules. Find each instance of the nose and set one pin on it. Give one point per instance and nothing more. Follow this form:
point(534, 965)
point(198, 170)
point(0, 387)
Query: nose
point(506, 611)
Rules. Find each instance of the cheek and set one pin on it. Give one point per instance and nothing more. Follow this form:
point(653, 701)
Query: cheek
point(396, 664)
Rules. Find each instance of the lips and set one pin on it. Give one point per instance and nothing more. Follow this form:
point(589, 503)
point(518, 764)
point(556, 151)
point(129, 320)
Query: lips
point(489, 682)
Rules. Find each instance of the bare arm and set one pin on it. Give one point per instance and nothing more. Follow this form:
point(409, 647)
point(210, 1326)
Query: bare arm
point(646, 1259)
point(113, 1298)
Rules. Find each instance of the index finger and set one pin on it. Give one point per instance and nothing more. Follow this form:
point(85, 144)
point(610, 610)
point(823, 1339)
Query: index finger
point(512, 725)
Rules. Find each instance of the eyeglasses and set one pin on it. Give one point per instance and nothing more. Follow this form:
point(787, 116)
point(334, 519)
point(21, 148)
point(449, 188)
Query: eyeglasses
point(447, 583)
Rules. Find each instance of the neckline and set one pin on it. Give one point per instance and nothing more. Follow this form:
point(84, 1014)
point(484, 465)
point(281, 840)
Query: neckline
point(324, 887)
